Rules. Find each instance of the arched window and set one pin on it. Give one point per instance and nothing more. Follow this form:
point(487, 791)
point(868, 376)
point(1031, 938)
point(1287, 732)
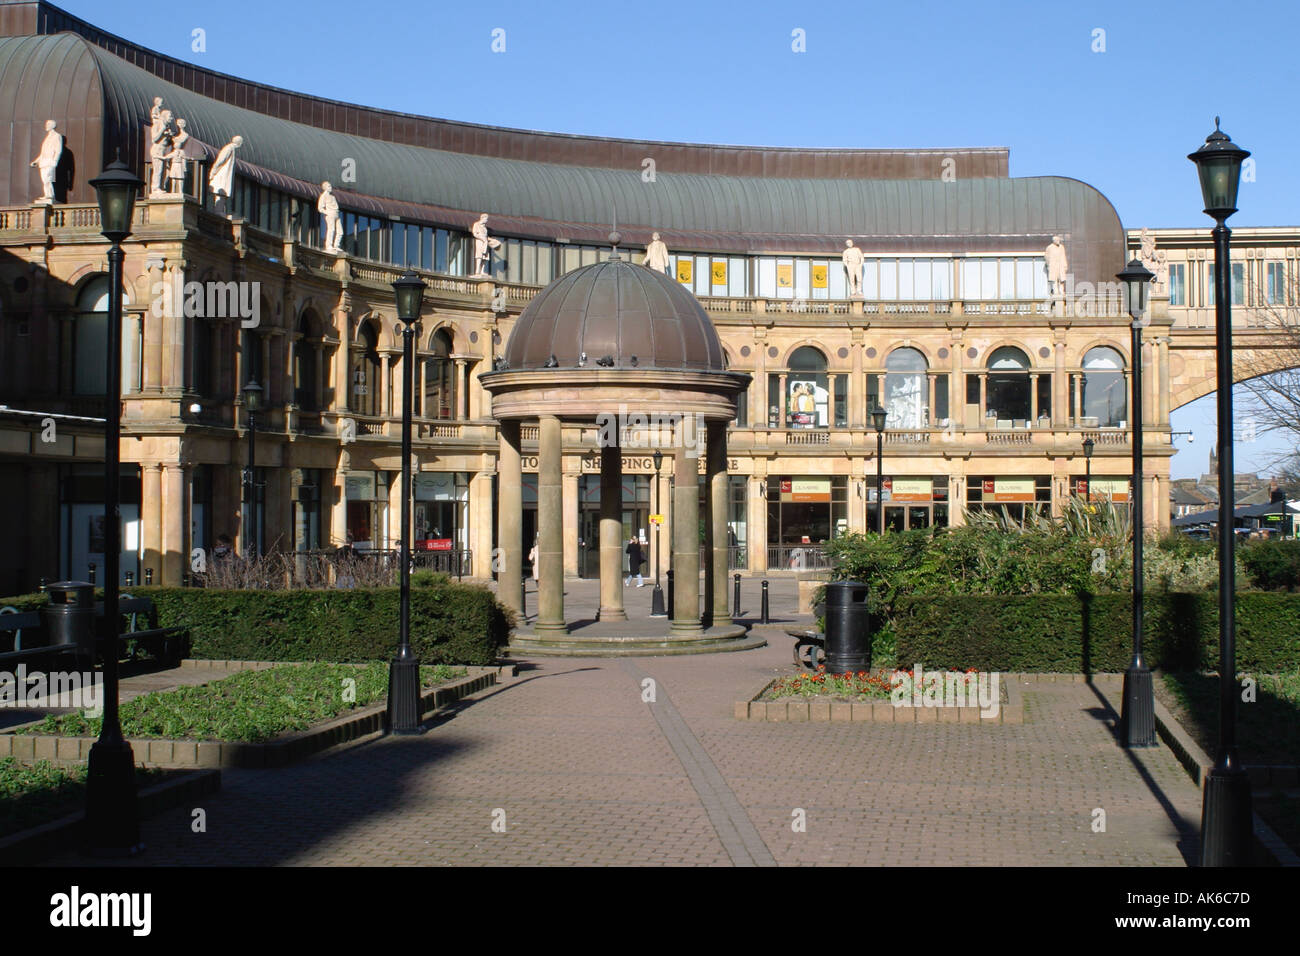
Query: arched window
point(1009, 391)
point(440, 377)
point(305, 357)
point(365, 384)
point(806, 392)
point(907, 398)
point(1105, 392)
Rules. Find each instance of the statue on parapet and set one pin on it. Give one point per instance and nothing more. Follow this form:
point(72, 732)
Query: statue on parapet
point(483, 244)
point(328, 206)
point(853, 259)
point(656, 254)
point(1057, 265)
point(48, 162)
point(221, 177)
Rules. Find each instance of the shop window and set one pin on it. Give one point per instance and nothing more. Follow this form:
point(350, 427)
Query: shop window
point(1104, 387)
point(1008, 387)
point(907, 398)
point(440, 378)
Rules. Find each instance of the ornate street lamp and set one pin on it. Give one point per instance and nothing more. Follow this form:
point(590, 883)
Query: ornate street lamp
point(657, 596)
point(252, 405)
point(404, 672)
point(1137, 718)
point(112, 824)
point(878, 416)
point(1088, 446)
point(1226, 826)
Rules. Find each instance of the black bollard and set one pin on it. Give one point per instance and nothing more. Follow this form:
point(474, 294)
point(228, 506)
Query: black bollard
point(670, 594)
point(148, 575)
point(735, 599)
point(185, 579)
point(43, 582)
point(523, 602)
point(130, 579)
point(763, 613)
point(91, 568)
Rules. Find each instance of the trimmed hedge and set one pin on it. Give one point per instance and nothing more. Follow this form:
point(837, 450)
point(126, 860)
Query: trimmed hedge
point(451, 622)
point(1093, 634)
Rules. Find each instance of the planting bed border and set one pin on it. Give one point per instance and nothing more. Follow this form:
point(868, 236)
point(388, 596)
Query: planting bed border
point(796, 709)
point(363, 724)
point(35, 843)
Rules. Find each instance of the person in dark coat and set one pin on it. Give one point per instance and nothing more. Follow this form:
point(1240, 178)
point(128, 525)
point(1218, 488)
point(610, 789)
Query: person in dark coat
point(634, 561)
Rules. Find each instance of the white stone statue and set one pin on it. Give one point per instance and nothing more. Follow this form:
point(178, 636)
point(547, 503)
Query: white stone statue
point(160, 147)
point(656, 254)
point(482, 243)
point(176, 159)
point(48, 161)
point(853, 259)
point(1057, 267)
point(1157, 260)
point(328, 206)
point(221, 178)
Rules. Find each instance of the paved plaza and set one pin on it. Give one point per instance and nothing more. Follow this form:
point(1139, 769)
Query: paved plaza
point(577, 769)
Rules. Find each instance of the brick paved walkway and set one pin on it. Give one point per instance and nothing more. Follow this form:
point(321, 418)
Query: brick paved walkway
point(585, 772)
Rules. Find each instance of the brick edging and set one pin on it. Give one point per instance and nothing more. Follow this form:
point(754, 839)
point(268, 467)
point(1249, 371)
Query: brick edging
point(35, 843)
point(290, 748)
point(794, 710)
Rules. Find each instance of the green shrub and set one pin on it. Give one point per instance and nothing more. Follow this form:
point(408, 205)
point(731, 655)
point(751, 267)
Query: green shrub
point(451, 622)
point(1093, 633)
point(1273, 563)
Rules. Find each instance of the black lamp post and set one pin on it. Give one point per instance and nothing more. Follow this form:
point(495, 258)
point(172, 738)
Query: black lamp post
point(1138, 718)
point(878, 416)
point(252, 405)
point(657, 596)
point(1226, 828)
point(404, 672)
point(112, 823)
point(1088, 446)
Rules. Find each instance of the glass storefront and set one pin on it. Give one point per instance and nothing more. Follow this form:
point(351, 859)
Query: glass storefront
point(81, 507)
point(367, 509)
point(910, 503)
point(441, 511)
point(806, 510)
point(1017, 496)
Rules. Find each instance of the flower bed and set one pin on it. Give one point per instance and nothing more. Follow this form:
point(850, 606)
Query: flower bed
point(863, 685)
point(250, 706)
point(32, 794)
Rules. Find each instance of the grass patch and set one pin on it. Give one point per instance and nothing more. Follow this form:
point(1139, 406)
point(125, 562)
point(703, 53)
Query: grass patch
point(1268, 729)
point(33, 794)
point(250, 706)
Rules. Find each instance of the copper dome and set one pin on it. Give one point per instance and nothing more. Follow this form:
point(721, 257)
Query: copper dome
point(622, 316)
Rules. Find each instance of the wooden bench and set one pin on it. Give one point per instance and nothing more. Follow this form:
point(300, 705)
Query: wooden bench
point(165, 643)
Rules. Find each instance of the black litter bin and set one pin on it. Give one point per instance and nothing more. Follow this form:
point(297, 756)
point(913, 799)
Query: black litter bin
point(70, 618)
point(848, 627)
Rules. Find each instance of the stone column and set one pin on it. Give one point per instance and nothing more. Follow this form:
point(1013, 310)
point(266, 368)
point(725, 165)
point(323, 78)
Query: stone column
point(984, 398)
point(153, 333)
point(717, 466)
point(462, 390)
point(151, 514)
point(857, 384)
point(1060, 394)
point(175, 485)
point(830, 400)
point(1033, 398)
point(337, 503)
point(758, 523)
point(1162, 396)
point(480, 525)
point(550, 547)
point(510, 512)
point(931, 413)
point(611, 534)
point(1078, 396)
point(686, 542)
point(780, 403)
point(569, 497)
point(1151, 385)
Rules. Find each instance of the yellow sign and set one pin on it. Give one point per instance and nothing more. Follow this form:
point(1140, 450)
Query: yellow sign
point(684, 271)
point(656, 519)
point(818, 276)
point(1010, 489)
point(806, 490)
point(1114, 488)
point(913, 489)
point(719, 273)
point(785, 276)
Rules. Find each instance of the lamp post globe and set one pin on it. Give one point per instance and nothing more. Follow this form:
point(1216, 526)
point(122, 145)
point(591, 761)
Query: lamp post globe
point(1137, 716)
point(404, 671)
point(112, 822)
point(1088, 446)
point(1226, 817)
point(878, 418)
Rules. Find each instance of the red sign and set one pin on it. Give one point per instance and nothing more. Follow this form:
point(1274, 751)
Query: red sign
point(988, 486)
point(433, 544)
point(1081, 486)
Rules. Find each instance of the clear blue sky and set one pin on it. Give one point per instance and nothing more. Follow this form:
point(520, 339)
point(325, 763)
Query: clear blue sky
point(919, 74)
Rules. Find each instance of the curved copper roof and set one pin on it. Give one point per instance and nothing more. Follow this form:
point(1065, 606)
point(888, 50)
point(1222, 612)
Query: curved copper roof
point(622, 316)
point(806, 201)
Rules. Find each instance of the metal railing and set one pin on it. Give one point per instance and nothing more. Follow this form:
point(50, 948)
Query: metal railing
point(797, 557)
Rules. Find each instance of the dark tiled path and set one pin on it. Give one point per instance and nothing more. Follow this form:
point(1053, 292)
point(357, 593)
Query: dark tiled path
point(583, 771)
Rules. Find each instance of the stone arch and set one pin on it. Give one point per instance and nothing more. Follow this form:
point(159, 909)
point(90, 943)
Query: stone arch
point(827, 353)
